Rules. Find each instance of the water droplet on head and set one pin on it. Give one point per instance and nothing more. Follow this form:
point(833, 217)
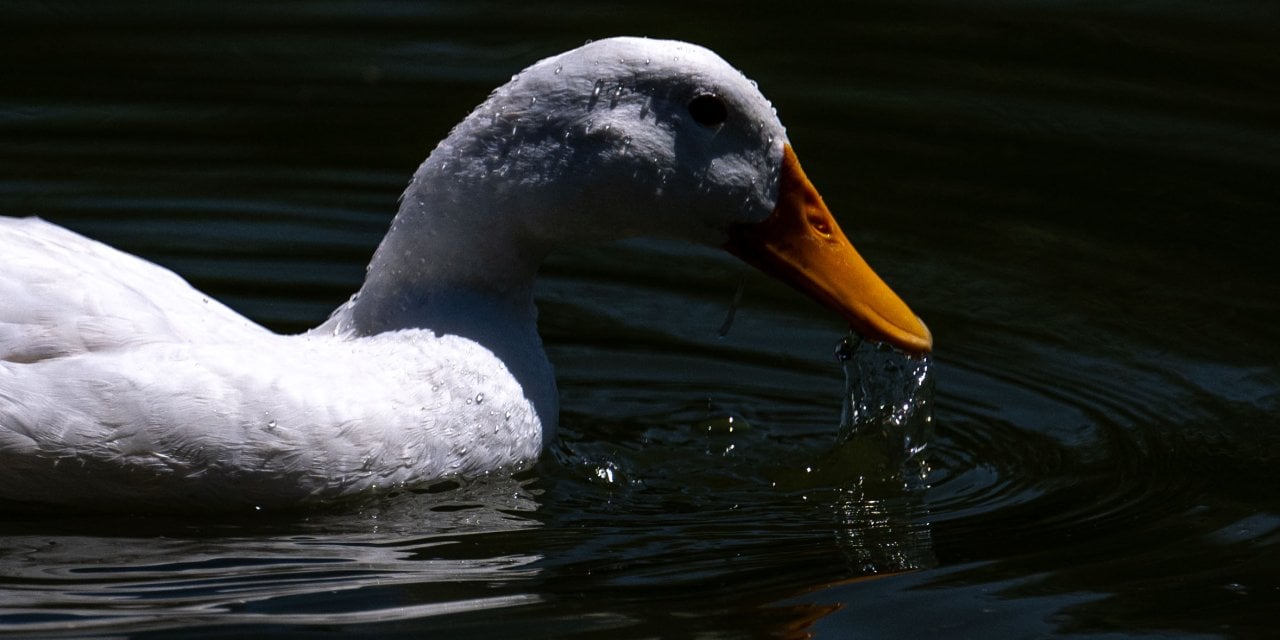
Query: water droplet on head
point(559, 68)
point(595, 91)
point(479, 398)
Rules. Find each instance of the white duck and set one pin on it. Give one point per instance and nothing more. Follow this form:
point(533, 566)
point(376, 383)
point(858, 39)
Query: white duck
point(121, 387)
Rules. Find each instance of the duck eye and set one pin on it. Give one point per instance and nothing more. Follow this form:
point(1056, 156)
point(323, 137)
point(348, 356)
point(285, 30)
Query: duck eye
point(708, 110)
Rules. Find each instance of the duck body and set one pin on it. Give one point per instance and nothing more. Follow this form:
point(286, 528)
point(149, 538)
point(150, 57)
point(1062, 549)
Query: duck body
point(141, 405)
point(122, 387)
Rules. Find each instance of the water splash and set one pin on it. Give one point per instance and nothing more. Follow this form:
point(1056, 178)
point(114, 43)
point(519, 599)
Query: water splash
point(887, 394)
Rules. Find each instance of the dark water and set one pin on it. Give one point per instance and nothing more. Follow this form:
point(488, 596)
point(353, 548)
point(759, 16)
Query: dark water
point(1081, 198)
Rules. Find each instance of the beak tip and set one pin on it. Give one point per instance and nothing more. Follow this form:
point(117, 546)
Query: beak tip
point(914, 340)
point(925, 338)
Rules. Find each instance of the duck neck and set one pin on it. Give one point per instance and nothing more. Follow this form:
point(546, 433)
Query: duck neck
point(454, 263)
point(453, 245)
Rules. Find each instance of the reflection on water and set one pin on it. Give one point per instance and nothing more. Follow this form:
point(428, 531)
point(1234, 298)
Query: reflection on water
point(1077, 197)
point(349, 568)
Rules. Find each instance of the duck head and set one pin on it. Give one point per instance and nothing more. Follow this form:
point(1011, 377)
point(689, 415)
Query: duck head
point(620, 138)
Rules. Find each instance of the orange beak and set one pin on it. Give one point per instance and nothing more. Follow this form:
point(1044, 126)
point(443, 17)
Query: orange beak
point(800, 244)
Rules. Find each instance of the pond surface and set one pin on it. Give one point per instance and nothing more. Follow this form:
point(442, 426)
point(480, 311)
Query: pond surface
point(1081, 200)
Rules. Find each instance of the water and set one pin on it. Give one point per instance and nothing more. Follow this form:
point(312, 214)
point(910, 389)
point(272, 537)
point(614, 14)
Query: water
point(1079, 198)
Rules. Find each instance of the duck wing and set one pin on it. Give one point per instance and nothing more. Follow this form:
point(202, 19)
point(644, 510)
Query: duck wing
point(62, 294)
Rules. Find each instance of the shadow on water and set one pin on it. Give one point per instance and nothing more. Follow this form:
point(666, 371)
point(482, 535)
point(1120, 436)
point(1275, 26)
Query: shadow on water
point(1079, 198)
point(700, 508)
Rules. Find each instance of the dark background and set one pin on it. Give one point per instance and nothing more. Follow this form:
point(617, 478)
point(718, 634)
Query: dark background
point(1079, 198)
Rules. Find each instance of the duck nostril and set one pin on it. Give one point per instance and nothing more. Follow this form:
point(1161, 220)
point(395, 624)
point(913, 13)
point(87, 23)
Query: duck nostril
point(821, 225)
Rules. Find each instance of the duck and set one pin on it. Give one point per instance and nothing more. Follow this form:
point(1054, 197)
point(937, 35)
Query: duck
point(124, 388)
